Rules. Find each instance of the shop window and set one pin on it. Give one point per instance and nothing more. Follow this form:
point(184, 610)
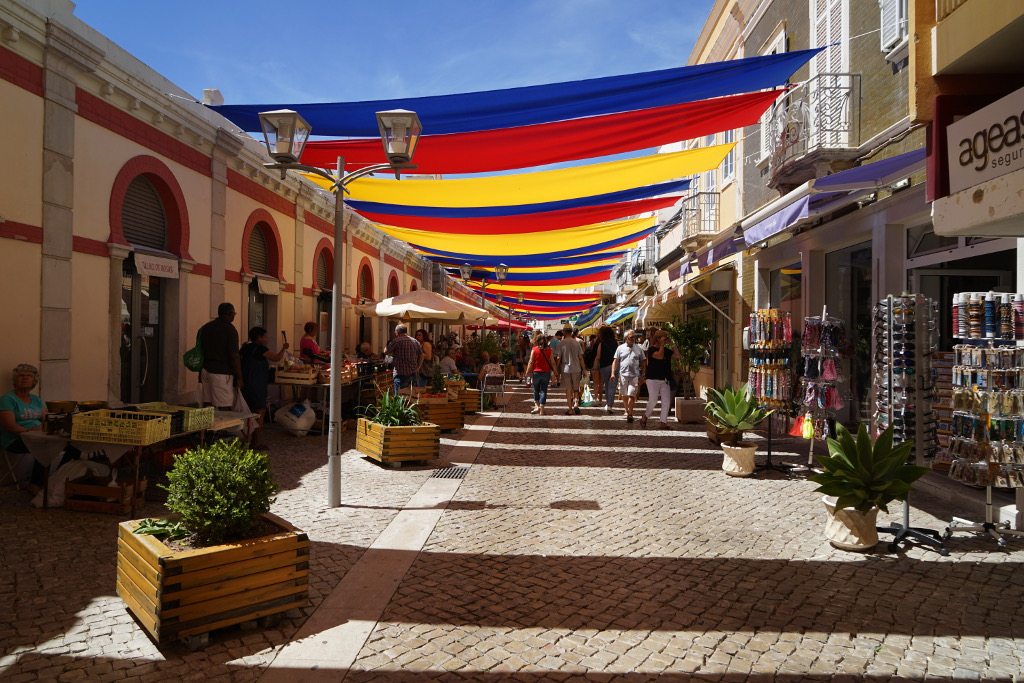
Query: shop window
point(785, 291)
point(922, 239)
point(143, 218)
point(848, 297)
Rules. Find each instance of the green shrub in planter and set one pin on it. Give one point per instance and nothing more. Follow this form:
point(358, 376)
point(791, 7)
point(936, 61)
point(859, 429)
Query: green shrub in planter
point(219, 491)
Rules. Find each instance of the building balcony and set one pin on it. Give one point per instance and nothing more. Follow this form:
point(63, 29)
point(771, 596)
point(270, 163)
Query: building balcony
point(977, 37)
point(813, 127)
point(699, 218)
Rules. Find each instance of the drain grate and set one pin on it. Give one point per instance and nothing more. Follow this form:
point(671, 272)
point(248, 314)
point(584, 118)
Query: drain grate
point(450, 473)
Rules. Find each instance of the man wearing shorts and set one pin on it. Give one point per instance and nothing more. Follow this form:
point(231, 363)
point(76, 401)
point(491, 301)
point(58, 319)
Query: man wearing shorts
point(222, 367)
point(570, 359)
point(628, 366)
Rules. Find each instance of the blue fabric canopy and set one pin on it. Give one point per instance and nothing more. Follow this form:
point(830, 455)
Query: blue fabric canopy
point(589, 316)
point(520, 209)
point(537, 260)
point(621, 315)
point(488, 110)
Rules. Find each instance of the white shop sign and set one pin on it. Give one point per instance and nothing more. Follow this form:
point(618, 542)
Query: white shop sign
point(154, 266)
point(987, 144)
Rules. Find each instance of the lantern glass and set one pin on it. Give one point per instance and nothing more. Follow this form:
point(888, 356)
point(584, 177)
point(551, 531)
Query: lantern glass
point(466, 271)
point(520, 298)
point(500, 271)
point(285, 133)
point(399, 132)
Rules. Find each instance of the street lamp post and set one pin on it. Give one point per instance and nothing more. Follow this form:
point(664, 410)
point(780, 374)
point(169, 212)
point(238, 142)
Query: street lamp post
point(285, 133)
point(466, 271)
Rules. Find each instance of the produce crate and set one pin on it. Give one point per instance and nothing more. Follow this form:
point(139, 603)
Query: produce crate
point(307, 375)
point(131, 428)
point(115, 499)
point(193, 420)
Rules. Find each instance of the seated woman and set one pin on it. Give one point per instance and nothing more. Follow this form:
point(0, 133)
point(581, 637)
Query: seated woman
point(309, 350)
point(22, 411)
point(448, 364)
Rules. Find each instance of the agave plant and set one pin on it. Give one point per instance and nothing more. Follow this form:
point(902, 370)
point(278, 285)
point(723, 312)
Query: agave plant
point(392, 410)
point(862, 475)
point(733, 412)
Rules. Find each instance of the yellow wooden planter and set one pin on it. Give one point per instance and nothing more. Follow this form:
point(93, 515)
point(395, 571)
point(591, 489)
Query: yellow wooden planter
point(398, 444)
point(470, 399)
point(446, 415)
point(181, 593)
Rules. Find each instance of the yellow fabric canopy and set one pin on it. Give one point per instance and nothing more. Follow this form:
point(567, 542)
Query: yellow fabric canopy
point(597, 263)
point(537, 187)
point(523, 244)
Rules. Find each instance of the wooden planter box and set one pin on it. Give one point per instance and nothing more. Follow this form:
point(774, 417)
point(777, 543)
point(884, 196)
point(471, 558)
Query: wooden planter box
point(398, 444)
point(176, 594)
point(470, 400)
point(446, 415)
point(115, 499)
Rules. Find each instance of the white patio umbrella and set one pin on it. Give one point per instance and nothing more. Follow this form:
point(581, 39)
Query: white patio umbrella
point(424, 305)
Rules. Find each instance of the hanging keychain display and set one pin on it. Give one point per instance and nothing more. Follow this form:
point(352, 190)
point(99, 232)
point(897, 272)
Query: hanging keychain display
point(822, 345)
point(770, 376)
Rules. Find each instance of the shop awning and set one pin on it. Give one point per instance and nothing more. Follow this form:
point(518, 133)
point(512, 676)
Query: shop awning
point(657, 311)
point(823, 195)
point(622, 315)
point(723, 246)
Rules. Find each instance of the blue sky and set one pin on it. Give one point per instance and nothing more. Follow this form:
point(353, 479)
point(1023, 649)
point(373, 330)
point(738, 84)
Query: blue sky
point(338, 51)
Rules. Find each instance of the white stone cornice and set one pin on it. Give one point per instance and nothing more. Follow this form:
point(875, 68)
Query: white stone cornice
point(71, 48)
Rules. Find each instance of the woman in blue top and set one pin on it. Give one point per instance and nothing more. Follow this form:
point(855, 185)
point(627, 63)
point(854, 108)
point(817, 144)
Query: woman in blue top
point(21, 411)
point(256, 359)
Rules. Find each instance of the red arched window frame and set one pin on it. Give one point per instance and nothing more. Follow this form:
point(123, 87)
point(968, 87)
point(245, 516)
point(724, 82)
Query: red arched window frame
point(393, 286)
point(412, 286)
point(273, 236)
point(171, 196)
point(325, 247)
point(365, 281)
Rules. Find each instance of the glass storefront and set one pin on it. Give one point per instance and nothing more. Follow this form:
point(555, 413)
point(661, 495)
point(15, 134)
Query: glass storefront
point(848, 297)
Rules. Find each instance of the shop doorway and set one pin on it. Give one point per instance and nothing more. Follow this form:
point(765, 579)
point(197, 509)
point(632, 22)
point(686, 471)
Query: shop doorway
point(142, 302)
point(848, 297)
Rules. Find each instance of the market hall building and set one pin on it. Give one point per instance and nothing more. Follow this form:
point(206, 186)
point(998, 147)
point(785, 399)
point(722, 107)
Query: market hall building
point(128, 211)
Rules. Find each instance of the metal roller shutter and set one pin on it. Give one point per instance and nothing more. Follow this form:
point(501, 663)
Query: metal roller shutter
point(259, 262)
point(323, 275)
point(145, 224)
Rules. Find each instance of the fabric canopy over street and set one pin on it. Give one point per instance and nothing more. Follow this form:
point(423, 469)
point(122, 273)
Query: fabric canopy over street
point(621, 315)
point(507, 108)
point(549, 143)
point(540, 186)
point(422, 304)
point(590, 316)
point(519, 223)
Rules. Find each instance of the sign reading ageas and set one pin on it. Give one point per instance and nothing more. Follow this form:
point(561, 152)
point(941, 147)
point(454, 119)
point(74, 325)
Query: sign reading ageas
point(987, 144)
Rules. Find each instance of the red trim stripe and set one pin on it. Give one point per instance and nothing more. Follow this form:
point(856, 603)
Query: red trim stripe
point(21, 72)
point(253, 190)
point(13, 230)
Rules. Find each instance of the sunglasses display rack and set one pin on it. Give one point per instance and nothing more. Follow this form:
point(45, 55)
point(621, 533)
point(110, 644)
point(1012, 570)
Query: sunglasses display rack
point(987, 442)
point(902, 342)
point(822, 346)
point(770, 376)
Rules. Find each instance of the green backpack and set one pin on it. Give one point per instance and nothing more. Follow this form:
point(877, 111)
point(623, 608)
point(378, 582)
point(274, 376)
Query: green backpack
point(193, 358)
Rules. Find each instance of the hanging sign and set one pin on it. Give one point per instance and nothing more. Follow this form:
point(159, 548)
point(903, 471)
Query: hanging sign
point(265, 286)
point(986, 144)
point(155, 266)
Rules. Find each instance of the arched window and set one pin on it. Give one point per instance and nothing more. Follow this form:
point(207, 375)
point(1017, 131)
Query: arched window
point(324, 271)
point(366, 283)
point(412, 286)
point(393, 286)
point(259, 250)
point(142, 213)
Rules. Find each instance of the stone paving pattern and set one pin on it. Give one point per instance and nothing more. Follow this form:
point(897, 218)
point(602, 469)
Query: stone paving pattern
point(576, 548)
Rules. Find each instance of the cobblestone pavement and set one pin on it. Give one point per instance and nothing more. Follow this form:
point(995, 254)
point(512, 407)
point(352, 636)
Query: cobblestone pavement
point(576, 548)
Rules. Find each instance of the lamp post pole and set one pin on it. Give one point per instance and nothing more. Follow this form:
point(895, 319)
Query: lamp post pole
point(286, 133)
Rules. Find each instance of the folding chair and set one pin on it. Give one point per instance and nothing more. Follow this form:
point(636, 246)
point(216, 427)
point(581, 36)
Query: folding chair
point(11, 472)
point(493, 385)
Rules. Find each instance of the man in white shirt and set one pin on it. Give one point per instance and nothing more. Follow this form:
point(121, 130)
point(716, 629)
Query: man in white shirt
point(628, 366)
point(448, 366)
point(570, 358)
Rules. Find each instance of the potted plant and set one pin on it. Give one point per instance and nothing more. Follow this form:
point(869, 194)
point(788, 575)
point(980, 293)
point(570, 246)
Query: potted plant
point(691, 340)
point(435, 405)
point(222, 558)
point(392, 432)
point(733, 412)
point(859, 478)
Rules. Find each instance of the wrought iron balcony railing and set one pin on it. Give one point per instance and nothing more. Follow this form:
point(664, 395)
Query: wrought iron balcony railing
point(700, 215)
point(820, 115)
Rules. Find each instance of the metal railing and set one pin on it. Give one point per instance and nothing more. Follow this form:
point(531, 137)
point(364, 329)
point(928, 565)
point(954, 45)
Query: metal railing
point(641, 262)
point(943, 8)
point(700, 214)
point(821, 114)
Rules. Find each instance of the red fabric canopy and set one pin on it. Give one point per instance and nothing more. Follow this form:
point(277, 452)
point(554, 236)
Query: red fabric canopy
point(547, 143)
point(502, 326)
point(530, 222)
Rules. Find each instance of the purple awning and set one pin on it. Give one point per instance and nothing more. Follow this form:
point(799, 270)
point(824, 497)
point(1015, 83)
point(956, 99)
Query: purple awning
point(777, 222)
point(873, 176)
point(718, 250)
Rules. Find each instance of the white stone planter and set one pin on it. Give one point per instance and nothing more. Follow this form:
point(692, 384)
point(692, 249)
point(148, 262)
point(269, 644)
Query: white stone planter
point(850, 529)
point(738, 461)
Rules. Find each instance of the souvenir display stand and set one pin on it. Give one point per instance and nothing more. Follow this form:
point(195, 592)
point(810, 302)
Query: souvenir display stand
point(903, 334)
point(987, 442)
point(770, 376)
point(822, 346)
